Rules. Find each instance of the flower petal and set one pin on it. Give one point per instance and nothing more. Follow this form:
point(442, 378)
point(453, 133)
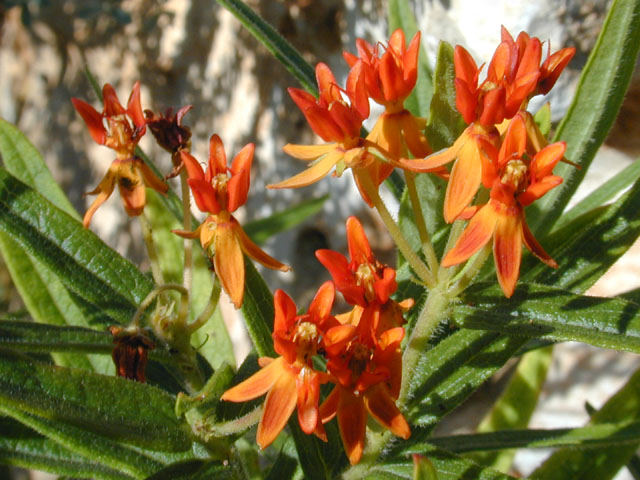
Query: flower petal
point(255, 252)
point(383, 408)
point(534, 247)
point(308, 152)
point(204, 195)
point(507, 251)
point(278, 407)
point(151, 180)
point(464, 181)
point(359, 248)
point(229, 262)
point(312, 174)
point(322, 302)
point(257, 384)
point(285, 311)
point(217, 157)
point(474, 237)
point(308, 394)
point(134, 109)
point(352, 420)
point(194, 169)
point(329, 407)
point(112, 106)
point(104, 190)
point(238, 186)
point(92, 118)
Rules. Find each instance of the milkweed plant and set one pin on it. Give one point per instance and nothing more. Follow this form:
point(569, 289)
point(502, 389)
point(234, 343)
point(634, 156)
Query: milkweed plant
point(492, 266)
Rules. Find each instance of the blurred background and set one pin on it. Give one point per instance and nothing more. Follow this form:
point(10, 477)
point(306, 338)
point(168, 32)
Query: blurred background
point(195, 52)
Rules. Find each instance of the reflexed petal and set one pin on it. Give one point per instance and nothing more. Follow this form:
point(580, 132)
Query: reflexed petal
point(104, 190)
point(134, 109)
point(507, 251)
point(308, 393)
point(92, 118)
point(238, 187)
point(329, 407)
point(194, 169)
point(352, 420)
point(187, 233)
point(217, 157)
point(359, 248)
point(229, 262)
point(312, 174)
point(534, 247)
point(204, 195)
point(308, 152)
point(131, 188)
point(285, 311)
point(255, 252)
point(322, 302)
point(383, 408)
point(439, 158)
point(257, 384)
point(464, 181)
point(278, 407)
point(474, 237)
point(150, 179)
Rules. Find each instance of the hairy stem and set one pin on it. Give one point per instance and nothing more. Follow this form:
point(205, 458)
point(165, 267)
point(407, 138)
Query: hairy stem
point(427, 247)
point(187, 272)
point(209, 308)
point(154, 261)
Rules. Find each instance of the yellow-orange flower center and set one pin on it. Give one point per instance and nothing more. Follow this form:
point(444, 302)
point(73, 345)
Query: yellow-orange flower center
point(365, 278)
point(516, 174)
point(306, 339)
point(121, 136)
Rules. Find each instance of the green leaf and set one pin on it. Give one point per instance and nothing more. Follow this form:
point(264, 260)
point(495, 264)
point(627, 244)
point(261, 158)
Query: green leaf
point(401, 16)
point(120, 409)
point(601, 463)
point(592, 436)
point(543, 119)
point(448, 466)
point(516, 404)
point(23, 447)
point(552, 314)
point(601, 195)
point(423, 469)
point(445, 122)
point(282, 50)
point(600, 93)
point(107, 286)
point(23, 160)
point(257, 309)
point(96, 448)
point(261, 230)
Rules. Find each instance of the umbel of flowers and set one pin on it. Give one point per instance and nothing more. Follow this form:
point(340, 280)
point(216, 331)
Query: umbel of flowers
point(501, 164)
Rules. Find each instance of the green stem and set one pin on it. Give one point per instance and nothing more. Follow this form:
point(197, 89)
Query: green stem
point(427, 247)
point(209, 309)
point(187, 272)
point(151, 249)
point(469, 272)
point(421, 270)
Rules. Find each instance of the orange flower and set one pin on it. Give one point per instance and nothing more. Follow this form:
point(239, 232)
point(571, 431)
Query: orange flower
point(338, 122)
point(362, 369)
point(126, 127)
point(290, 379)
point(218, 193)
point(517, 182)
point(513, 77)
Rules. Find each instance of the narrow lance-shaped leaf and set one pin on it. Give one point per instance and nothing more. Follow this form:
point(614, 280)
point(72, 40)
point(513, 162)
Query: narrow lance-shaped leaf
point(599, 95)
point(127, 411)
point(552, 314)
point(107, 286)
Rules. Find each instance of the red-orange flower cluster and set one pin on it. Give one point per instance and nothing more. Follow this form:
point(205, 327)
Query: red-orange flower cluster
point(126, 127)
point(361, 347)
point(219, 192)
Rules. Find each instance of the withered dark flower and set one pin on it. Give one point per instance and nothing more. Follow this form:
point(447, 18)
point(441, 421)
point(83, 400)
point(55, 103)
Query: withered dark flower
point(131, 346)
point(170, 134)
